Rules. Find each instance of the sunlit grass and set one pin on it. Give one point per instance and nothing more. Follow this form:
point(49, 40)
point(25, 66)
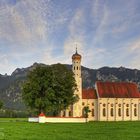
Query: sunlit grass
point(70, 131)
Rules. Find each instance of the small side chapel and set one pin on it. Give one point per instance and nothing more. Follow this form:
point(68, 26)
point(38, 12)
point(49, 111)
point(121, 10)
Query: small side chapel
point(108, 101)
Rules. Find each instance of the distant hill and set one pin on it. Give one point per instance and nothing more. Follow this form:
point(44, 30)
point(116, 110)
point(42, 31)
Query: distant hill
point(10, 85)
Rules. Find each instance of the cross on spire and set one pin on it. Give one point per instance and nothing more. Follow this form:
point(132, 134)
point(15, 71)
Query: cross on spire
point(76, 48)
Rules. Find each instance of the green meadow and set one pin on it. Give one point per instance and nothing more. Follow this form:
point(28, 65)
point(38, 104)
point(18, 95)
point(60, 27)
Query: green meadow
point(20, 129)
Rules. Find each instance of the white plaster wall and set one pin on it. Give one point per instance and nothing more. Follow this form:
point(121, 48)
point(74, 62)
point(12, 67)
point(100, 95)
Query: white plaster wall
point(42, 119)
point(61, 120)
point(92, 103)
point(117, 103)
point(135, 104)
point(139, 109)
point(77, 74)
point(110, 105)
point(125, 102)
point(97, 105)
point(102, 101)
point(35, 119)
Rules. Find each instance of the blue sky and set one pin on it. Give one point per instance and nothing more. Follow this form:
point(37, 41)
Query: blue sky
point(107, 32)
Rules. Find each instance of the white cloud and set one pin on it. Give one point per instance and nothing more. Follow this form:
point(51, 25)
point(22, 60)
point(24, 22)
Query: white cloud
point(5, 66)
point(95, 9)
point(114, 20)
point(135, 46)
point(23, 32)
point(133, 54)
point(101, 29)
point(49, 58)
point(22, 24)
point(76, 33)
point(126, 55)
point(29, 31)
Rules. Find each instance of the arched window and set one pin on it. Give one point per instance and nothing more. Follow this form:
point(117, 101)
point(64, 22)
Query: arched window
point(111, 112)
point(135, 112)
point(92, 112)
point(119, 112)
point(127, 112)
point(74, 68)
point(104, 112)
point(70, 113)
point(77, 67)
point(64, 113)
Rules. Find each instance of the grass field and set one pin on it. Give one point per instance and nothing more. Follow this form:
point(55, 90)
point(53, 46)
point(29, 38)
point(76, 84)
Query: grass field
point(19, 129)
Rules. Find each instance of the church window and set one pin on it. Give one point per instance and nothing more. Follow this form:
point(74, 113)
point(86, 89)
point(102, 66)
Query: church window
point(92, 112)
point(135, 112)
point(83, 103)
point(111, 105)
point(103, 105)
point(70, 113)
point(111, 112)
point(74, 67)
point(92, 104)
point(127, 112)
point(119, 105)
point(77, 67)
point(127, 105)
point(135, 105)
point(119, 112)
point(104, 112)
point(64, 113)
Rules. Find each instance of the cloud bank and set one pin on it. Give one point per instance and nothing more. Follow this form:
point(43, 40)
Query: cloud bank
point(106, 32)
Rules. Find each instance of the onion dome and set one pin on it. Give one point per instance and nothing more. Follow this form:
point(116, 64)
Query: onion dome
point(76, 56)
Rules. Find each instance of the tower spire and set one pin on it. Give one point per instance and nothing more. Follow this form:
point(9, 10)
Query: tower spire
point(76, 68)
point(76, 55)
point(76, 48)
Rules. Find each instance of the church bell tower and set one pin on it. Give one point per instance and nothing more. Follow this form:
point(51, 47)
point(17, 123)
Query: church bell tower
point(76, 68)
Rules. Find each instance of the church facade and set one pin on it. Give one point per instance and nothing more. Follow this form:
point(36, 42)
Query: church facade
point(108, 101)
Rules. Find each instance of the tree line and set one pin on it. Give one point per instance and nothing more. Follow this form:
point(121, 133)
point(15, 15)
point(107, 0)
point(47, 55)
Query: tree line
point(47, 89)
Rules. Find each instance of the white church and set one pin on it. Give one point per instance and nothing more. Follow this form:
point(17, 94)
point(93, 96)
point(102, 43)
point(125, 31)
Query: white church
point(109, 101)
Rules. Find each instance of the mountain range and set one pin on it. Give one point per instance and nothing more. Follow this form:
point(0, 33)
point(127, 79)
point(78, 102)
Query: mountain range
point(10, 85)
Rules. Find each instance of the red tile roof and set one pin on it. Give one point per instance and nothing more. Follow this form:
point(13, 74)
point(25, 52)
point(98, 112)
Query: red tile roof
point(89, 94)
point(117, 90)
point(41, 114)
